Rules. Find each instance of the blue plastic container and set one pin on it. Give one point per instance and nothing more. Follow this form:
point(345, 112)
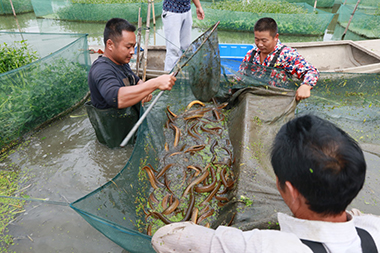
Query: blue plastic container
point(231, 55)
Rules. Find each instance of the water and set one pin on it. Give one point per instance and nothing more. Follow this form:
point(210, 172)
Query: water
point(29, 23)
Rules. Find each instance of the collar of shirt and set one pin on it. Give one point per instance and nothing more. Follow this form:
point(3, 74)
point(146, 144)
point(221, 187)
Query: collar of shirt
point(270, 56)
point(320, 231)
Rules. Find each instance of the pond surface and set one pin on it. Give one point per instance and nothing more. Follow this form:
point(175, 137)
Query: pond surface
point(29, 23)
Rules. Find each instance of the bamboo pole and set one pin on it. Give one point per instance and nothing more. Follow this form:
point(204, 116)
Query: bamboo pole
point(146, 42)
point(349, 21)
point(315, 4)
point(14, 14)
point(139, 24)
point(154, 22)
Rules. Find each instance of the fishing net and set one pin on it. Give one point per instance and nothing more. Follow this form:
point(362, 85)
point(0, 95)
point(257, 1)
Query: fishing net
point(190, 147)
point(20, 6)
point(83, 11)
point(320, 3)
point(313, 23)
point(35, 93)
point(366, 20)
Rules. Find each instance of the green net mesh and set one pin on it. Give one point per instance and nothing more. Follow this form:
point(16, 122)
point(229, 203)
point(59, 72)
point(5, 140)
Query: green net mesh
point(34, 93)
point(20, 6)
point(128, 192)
point(320, 3)
point(364, 3)
point(235, 139)
point(366, 20)
point(70, 10)
point(309, 23)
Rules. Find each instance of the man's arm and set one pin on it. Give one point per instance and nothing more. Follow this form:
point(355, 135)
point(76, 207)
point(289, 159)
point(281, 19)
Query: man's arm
point(295, 64)
point(199, 10)
point(131, 95)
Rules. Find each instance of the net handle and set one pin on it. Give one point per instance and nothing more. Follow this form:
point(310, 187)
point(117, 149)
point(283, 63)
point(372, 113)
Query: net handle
point(139, 122)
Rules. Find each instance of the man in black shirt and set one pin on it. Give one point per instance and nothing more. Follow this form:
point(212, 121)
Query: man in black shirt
point(116, 92)
point(112, 82)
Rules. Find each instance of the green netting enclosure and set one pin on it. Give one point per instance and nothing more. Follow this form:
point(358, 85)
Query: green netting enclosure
point(310, 23)
point(35, 93)
point(192, 147)
point(183, 141)
point(366, 20)
point(20, 6)
point(320, 3)
point(79, 11)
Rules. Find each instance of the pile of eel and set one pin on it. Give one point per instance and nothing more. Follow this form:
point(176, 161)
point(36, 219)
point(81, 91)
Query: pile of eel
point(195, 175)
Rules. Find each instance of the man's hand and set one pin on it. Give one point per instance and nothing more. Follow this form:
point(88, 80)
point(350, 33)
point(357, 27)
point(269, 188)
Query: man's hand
point(303, 92)
point(165, 82)
point(200, 13)
point(146, 99)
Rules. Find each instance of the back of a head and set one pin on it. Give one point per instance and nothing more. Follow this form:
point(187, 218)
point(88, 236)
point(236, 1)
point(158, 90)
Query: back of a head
point(266, 24)
point(115, 27)
point(321, 161)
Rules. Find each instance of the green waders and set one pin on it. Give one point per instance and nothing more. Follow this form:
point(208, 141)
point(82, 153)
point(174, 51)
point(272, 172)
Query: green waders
point(112, 125)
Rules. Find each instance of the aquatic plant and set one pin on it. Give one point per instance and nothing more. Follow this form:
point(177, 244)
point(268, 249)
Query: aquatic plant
point(27, 95)
point(259, 6)
point(17, 55)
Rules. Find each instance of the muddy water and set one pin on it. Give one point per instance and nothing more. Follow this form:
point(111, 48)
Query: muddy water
point(65, 162)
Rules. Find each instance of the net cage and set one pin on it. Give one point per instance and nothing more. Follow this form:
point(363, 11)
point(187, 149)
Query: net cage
point(236, 139)
point(20, 6)
point(320, 3)
point(83, 11)
point(130, 207)
point(365, 21)
point(310, 23)
point(35, 93)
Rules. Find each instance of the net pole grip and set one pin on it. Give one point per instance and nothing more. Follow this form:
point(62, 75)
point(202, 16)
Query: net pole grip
point(139, 122)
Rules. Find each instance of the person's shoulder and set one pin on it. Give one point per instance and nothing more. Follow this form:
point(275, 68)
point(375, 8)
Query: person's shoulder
point(258, 240)
point(101, 66)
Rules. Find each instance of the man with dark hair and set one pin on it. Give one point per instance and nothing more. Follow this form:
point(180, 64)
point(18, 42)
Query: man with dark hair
point(114, 86)
point(111, 80)
point(268, 51)
point(319, 171)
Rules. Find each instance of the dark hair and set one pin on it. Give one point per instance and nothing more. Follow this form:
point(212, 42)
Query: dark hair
point(321, 161)
point(114, 29)
point(266, 24)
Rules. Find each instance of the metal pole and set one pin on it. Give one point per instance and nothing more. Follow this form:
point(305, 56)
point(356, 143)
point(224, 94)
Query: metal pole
point(146, 42)
point(349, 21)
point(139, 122)
point(138, 42)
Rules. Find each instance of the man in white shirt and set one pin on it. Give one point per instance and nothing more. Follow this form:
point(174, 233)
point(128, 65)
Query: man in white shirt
point(319, 171)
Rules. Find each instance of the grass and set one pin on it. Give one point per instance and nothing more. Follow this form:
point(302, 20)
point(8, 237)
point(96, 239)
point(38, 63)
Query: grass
point(16, 56)
point(10, 181)
point(31, 95)
point(259, 6)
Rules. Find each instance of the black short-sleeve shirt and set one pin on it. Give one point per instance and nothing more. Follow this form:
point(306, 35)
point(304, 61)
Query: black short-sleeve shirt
point(105, 79)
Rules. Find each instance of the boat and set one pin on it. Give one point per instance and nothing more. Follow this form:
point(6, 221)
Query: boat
point(327, 56)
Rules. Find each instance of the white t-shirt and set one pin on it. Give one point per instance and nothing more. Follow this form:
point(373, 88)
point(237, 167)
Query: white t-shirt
point(335, 236)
